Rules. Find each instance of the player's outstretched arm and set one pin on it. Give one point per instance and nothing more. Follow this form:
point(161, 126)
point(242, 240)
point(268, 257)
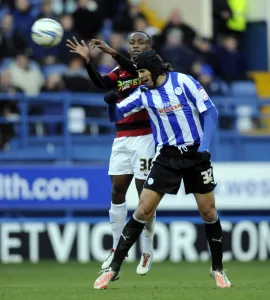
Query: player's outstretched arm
point(102, 82)
point(123, 61)
point(130, 105)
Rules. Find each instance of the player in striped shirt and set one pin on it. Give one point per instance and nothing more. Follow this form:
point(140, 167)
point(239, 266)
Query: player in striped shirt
point(183, 120)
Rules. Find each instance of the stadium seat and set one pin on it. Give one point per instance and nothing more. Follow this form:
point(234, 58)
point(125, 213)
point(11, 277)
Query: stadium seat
point(243, 88)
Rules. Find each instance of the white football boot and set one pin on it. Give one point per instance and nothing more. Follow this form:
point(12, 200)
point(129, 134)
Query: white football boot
point(145, 263)
point(221, 278)
point(105, 278)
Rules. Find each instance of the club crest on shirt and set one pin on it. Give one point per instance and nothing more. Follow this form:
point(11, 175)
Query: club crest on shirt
point(178, 91)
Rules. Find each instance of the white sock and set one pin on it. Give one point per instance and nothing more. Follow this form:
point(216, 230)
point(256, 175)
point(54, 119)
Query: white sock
point(118, 215)
point(148, 235)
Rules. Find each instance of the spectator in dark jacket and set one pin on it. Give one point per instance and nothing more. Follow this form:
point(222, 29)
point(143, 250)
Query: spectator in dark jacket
point(67, 23)
point(88, 18)
point(11, 40)
point(46, 10)
point(124, 22)
point(176, 22)
point(232, 61)
point(176, 53)
point(207, 53)
point(23, 18)
point(221, 13)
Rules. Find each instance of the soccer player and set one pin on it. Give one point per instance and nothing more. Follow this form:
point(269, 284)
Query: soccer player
point(133, 147)
point(183, 119)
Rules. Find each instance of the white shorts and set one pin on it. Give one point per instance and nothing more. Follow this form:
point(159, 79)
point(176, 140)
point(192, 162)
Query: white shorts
point(132, 155)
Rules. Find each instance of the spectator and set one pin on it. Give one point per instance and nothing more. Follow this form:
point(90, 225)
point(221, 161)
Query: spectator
point(23, 18)
point(67, 23)
point(49, 60)
point(117, 42)
point(61, 7)
point(232, 61)
point(176, 53)
point(236, 24)
point(47, 10)
point(124, 21)
point(106, 65)
point(10, 39)
point(10, 4)
point(26, 77)
point(76, 78)
point(207, 53)
point(221, 13)
point(54, 83)
point(205, 75)
point(8, 110)
point(176, 22)
point(88, 18)
point(141, 24)
point(109, 10)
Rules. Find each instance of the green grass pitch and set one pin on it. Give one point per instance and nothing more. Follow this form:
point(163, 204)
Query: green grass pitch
point(183, 281)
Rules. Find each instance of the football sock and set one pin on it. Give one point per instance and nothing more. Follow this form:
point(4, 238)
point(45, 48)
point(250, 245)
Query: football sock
point(118, 215)
point(148, 235)
point(129, 236)
point(214, 236)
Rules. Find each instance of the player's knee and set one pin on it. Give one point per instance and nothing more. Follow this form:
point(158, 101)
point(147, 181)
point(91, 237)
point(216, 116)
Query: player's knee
point(144, 212)
point(209, 213)
point(118, 195)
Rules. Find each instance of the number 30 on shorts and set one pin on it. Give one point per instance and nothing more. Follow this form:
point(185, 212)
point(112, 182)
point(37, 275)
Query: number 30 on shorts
point(145, 164)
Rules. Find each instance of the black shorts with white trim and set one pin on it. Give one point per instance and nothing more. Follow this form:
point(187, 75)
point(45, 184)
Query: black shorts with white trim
point(172, 165)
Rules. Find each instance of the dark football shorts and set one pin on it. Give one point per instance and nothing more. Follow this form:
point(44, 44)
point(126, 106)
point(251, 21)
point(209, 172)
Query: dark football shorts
point(172, 165)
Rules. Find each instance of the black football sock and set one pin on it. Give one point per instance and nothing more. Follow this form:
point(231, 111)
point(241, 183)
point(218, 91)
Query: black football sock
point(129, 236)
point(214, 236)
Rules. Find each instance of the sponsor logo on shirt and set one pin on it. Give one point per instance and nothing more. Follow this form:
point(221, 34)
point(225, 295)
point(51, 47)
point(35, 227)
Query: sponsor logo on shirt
point(168, 108)
point(122, 85)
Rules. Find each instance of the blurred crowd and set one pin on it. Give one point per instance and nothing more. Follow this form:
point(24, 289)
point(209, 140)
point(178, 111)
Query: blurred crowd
point(31, 69)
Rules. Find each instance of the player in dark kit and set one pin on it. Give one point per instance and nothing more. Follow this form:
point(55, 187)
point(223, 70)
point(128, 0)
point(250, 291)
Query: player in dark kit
point(133, 147)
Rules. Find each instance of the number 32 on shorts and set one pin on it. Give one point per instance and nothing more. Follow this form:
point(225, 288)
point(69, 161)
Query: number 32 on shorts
point(145, 164)
point(207, 176)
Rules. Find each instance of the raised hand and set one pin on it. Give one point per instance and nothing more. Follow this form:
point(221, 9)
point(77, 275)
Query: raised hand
point(81, 49)
point(102, 46)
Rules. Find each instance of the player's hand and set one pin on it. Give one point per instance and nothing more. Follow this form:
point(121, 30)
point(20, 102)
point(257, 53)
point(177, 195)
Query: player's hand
point(204, 156)
point(102, 46)
point(110, 97)
point(81, 49)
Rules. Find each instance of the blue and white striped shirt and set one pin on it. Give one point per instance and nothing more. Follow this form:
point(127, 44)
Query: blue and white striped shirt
point(174, 108)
